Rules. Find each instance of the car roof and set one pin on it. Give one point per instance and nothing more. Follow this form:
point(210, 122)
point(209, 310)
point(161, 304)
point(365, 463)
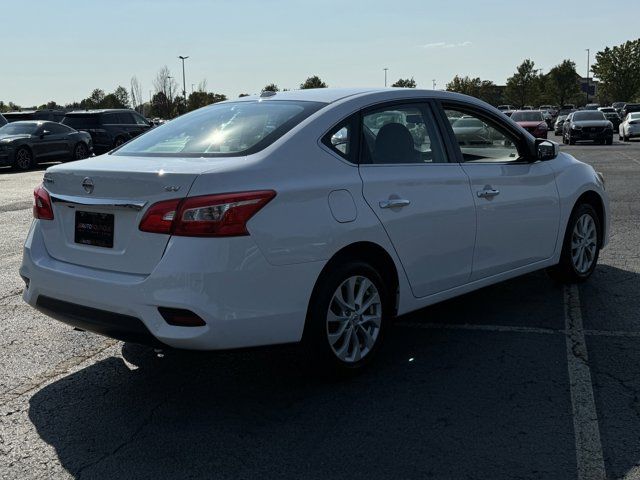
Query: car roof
point(331, 95)
point(97, 111)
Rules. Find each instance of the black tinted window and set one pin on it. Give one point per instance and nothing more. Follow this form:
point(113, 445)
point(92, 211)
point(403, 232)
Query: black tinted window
point(590, 115)
point(126, 118)
point(57, 128)
point(81, 121)
point(110, 118)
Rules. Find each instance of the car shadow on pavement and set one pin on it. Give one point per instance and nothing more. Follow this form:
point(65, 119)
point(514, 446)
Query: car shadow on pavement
point(438, 403)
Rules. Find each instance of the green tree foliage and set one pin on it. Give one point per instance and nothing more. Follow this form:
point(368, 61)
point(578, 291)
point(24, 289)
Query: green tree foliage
point(561, 84)
point(485, 90)
point(523, 87)
point(618, 70)
point(201, 99)
point(243, 95)
point(405, 83)
point(122, 96)
point(272, 87)
point(312, 82)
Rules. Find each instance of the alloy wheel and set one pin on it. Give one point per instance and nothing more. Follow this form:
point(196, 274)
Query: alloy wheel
point(584, 243)
point(81, 152)
point(23, 159)
point(354, 319)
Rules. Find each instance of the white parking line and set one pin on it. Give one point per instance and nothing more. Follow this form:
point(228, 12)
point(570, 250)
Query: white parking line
point(589, 454)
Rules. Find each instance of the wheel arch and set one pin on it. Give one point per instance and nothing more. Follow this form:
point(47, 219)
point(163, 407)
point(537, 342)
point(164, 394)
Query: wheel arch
point(594, 199)
point(368, 252)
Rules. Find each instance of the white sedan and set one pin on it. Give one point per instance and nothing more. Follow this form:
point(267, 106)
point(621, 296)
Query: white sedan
point(630, 127)
point(313, 216)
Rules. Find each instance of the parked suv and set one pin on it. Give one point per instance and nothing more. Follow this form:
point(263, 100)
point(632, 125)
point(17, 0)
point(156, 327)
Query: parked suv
point(108, 128)
point(50, 115)
point(629, 108)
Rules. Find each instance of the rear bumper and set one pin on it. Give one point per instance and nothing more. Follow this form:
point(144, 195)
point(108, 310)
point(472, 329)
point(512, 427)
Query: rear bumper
point(109, 324)
point(244, 300)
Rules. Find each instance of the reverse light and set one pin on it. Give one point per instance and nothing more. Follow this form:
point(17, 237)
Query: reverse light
point(223, 215)
point(42, 208)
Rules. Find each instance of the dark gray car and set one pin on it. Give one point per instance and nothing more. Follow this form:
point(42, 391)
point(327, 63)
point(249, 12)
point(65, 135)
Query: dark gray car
point(23, 144)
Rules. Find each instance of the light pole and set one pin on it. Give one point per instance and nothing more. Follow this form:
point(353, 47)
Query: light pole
point(184, 83)
point(385, 75)
point(434, 83)
point(588, 82)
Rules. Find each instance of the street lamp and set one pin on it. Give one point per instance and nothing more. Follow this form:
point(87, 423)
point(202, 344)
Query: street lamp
point(385, 75)
point(184, 83)
point(588, 82)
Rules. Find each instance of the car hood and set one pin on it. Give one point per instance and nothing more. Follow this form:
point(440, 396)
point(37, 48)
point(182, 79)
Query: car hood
point(10, 138)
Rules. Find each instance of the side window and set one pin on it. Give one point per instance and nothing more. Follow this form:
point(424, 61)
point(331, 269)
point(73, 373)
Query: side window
point(140, 121)
point(400, 134)
point(57, 128)
point(481, 140)
point(340, 139)
point(109, 118)
point(125, 118)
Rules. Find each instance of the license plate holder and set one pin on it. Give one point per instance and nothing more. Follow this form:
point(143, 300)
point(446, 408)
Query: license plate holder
point(94, 228)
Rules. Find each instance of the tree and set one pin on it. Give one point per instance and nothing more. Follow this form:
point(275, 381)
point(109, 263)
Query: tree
point(243, 95)
point(561, 83)
point(272, 87)
point(312, 82)
point(94, 100)
point(618, 70)
point(485, 90)
point(122, 96)
point(405, 83)
point(523, 87)
point(201, 99)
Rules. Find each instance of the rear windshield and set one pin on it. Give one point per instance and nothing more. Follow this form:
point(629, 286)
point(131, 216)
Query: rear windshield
point(80, 121)
point(223, 129)
point(18, 128)
point(588, 115)
point(527, 117)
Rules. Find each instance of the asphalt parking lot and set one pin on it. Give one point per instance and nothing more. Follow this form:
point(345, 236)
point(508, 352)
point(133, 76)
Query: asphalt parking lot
point(522, 380)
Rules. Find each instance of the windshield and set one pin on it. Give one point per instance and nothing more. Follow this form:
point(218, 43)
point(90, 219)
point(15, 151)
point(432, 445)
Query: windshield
point(527, 117)
point(223, 129)
point(588, 115)
point(19, 129)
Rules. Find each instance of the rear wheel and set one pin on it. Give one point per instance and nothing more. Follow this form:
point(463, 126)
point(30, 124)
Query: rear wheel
point(80, 151)
point(581, 246)
point(347, 316)
point(23, 160)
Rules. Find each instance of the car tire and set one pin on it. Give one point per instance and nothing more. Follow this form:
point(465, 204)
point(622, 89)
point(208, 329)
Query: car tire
point(571, 140)
point(80, 151)
point(342, 335)
point(23, 160)
point(609, 140)
point(580, 248)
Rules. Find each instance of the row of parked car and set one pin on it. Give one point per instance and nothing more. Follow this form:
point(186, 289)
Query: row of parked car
point(590, 123)
point(27, 138)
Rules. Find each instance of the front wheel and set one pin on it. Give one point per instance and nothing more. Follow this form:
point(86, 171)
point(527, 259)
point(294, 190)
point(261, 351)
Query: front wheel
point(581, 246)
point(610, 140)
point(346, 318)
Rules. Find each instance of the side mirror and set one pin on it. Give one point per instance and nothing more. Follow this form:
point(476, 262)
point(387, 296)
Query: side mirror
point(546, 149)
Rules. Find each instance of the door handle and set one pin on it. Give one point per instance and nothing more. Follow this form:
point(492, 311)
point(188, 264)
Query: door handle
point(394, 202)
point(488, 193)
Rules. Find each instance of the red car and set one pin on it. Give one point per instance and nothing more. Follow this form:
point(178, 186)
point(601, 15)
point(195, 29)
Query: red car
point(532, 121)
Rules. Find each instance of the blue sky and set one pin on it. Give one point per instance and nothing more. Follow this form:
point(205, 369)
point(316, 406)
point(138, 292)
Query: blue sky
point(62, 50)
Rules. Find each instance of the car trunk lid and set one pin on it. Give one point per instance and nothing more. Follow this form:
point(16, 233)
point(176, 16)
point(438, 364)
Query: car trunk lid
point(98, 204)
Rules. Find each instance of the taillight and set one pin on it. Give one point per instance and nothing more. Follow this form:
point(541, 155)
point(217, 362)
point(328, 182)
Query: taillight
point(159, 218)
point(224, 215)
point(42, 208)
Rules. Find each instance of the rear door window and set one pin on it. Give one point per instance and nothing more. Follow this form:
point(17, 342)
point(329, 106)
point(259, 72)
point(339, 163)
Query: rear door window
point(400, 134)
point(81, 121)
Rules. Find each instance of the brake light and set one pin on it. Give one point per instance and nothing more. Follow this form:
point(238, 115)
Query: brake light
point(42, 208)
point(224, 215)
